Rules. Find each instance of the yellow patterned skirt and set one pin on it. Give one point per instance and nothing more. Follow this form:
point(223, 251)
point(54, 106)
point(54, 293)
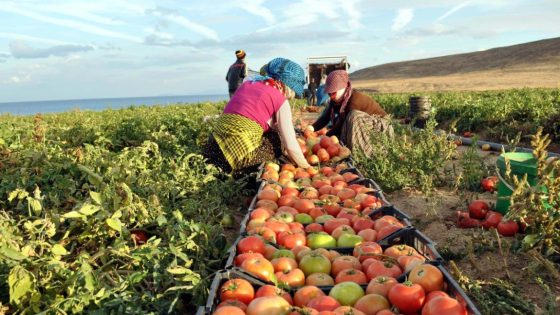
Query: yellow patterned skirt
point(238, 138)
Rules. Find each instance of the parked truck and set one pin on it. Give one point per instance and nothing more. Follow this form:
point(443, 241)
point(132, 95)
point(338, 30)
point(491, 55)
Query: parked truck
point(317, 66)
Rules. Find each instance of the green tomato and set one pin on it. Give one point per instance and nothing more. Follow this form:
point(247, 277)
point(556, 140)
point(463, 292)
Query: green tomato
point(283, 253)
point(349, 240)
point(304, 218)
point(320, 240)
point(347, 293)
point(227, 220)
point(315, 262)
point(323, 218)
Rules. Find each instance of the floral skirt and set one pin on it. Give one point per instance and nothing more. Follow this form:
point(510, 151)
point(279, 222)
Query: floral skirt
point(359, 127)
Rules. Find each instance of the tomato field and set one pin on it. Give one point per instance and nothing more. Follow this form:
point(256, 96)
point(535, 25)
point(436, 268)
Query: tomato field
point(81, 190)
point(116, 212)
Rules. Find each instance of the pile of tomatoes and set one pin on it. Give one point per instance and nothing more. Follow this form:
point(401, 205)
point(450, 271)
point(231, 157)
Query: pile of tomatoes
point(320, 148)
point(422, 293)
point(480, 215)
point(315, 242)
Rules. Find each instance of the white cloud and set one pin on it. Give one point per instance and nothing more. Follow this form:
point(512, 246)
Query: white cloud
point(453, 10)
point(404, 16)
point(21, 50)
point(175, 17)
point(256, 7)
point(354, 14)
point(18, 79)
point(33, 39)
point(87, 28)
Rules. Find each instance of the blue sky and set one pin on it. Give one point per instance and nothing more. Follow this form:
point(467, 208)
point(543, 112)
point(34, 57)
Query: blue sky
point(94, 49)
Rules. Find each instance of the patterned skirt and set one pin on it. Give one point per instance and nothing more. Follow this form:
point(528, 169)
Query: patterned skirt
point(238, 145)
point(359, 127)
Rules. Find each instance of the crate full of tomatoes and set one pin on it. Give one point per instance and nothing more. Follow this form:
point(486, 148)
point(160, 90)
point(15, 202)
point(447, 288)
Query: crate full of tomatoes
point(428, 289)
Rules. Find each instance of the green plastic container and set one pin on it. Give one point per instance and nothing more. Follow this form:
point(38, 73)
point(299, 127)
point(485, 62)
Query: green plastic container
point(521, 164)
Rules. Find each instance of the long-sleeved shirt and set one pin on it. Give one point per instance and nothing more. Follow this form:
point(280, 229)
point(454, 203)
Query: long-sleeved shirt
point(265, 105)
point(358, 101)
point(236, 72)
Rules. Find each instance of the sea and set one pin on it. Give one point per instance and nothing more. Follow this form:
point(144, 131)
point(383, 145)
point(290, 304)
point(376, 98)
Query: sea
point(57, 106)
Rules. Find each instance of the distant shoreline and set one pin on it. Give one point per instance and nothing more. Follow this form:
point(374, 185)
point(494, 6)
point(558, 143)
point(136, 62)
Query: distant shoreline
point(58, 106)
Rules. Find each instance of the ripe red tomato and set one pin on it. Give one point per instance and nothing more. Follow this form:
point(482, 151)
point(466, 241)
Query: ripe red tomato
point(237, 289)
point(292, 278)
point(270, 290)
point(229, 310)
point(443, 305)
point(235, 303)
point(260, 267)
point(270, 305)
point(407, 297)
point(139, 237)
point(367, 250)
point(305, 294)
point(428, 276)
point(383, 268)
point(464, 221)
point(323, 303)
point(380, 285)
point(251, 244)
point(508, 228)
point(242, 257)
point(478, 209)
point(489, 183)
point(493, 218)
point(351, 274)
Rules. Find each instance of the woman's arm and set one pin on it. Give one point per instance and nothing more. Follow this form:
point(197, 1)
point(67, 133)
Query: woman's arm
point(323, 119)
point(288, 135)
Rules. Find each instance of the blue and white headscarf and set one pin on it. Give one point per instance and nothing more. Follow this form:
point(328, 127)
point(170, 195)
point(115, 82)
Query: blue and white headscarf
point(287, 71)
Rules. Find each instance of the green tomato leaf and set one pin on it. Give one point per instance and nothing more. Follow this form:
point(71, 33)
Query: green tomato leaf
point(59, 250)
point(11, 253)
point(178, 270)
point(530, 240)
point(88, 276)
point(12, 195)
point(21, 284)
point(96, 197)
point(73, 214)
point(115, 224)
point(117, 214)
point(35, 205)
point(88, 209)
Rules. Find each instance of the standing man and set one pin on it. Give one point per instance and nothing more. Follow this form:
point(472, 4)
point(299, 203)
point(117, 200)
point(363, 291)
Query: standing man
point(236, 72)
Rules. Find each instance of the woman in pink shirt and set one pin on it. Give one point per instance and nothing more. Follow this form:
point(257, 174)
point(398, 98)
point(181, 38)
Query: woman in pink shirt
point(257, 121)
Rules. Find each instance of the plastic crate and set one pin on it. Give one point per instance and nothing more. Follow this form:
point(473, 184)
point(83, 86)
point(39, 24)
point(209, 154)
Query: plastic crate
point(352, 170)
point(391, 211)
point(455, 291)
point(416, 239)
point(370, 183)
point(220, 278)
point(452, 288)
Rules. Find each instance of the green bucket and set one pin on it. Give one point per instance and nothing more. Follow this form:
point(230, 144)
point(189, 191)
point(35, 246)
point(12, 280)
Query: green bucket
point(521, 164)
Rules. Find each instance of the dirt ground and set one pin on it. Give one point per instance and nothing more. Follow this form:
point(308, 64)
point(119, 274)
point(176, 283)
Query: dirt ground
point(475, 251)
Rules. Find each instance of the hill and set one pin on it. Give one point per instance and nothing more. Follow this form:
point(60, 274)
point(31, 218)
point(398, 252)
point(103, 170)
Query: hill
point(533, 64)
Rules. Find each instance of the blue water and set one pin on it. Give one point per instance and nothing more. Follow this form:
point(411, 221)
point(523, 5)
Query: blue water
point(31, 108)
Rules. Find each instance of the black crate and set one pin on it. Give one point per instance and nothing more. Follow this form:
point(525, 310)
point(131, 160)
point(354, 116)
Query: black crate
point(391, 211)
point(370, 183)
point(452, 288)
point(219, 279)
point(352, 170)
point(416, 239)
